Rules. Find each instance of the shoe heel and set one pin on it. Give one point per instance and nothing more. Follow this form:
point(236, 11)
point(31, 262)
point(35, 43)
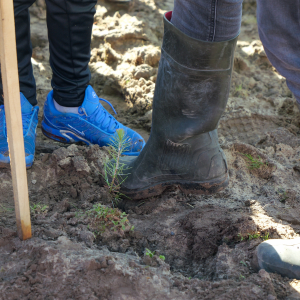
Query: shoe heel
point(54, 134)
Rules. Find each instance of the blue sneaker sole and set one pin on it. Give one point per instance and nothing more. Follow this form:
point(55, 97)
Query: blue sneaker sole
point(5, 163)
point(29, 161)
point(68, 137)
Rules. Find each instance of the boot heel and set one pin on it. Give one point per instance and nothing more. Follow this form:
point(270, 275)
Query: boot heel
point(205, 188)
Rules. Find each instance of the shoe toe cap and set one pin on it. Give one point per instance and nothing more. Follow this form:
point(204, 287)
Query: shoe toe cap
point(4, 159)
point(280, 256)
point(29, 160)
point(137, 144)
point(4, 153)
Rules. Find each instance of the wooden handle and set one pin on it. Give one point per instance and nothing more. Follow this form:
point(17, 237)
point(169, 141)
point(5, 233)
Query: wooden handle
point(11, 92)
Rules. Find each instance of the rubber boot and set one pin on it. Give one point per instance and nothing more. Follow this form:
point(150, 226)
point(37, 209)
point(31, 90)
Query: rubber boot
point(191, 93)
point(279, 256)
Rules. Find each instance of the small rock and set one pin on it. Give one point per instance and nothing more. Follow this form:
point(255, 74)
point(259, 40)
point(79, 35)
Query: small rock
point(73, 192)
point(249, 203)
point(81, 164)
point(60, 153)
point(70, 215)
point(65, 162)
point(110, 55)
point(110, 262)
point(73, 221)
point(143, 71)
point(264, 274)
point(101, 11)
point(64, 205)
point(45, 157)
point(87, 237)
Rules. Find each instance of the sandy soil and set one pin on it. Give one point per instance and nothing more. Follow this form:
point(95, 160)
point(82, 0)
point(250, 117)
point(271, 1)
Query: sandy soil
point(208, 241)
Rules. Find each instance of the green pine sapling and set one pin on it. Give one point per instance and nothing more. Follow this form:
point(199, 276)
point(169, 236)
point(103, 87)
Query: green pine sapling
point(113, 168)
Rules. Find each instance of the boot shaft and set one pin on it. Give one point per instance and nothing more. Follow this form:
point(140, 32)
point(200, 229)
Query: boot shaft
point(193, 84)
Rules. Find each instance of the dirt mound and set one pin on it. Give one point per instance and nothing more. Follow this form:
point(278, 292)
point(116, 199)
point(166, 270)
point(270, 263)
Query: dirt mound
point(207, 241)
point(67, 270)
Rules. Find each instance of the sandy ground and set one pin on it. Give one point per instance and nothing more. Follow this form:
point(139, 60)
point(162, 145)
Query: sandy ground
point(208, 241)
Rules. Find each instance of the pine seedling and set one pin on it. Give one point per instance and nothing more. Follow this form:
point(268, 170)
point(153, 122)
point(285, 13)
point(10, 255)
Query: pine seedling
point(238, 88)
point(113, 169)
point(101, 217)
point(151, 254)
point(39, 209)
point(254, 163)
point(266, 236)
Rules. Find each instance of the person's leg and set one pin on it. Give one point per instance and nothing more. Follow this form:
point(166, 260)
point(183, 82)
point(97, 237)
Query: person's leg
point(70, 25)
point(24, 51)
point(72, 111)
point(279, 27)
point(212, 21)
point(191, 93)
point(27, 88)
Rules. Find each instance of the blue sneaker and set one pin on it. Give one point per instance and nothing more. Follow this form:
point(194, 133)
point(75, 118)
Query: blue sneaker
point(30, 121)
point(93, 125)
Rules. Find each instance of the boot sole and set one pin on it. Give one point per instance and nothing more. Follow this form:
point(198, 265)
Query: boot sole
point(188, 187)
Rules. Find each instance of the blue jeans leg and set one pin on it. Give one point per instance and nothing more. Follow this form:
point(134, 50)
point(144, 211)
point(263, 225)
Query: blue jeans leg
point(278, 27)
point(279, 30)
point(208, 20)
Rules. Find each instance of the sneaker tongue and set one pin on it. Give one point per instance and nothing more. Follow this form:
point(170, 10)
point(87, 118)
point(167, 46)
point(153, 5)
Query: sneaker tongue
point(91, 101)
point(26, 107)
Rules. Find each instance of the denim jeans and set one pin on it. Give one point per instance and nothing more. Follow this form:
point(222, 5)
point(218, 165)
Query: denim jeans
point(220, 20)
point(208, 20)
point(279, 30)
point(69, 25)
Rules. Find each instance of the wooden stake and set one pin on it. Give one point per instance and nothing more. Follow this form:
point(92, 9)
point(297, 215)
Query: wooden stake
point(11, 91)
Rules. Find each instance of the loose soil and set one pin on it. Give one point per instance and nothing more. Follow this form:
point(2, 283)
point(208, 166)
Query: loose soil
point(208, 241)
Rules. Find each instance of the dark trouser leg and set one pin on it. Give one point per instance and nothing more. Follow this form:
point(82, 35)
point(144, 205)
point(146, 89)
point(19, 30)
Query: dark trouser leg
point(69, 29)
point(212, 21)
point(279, 27)
point(24, 51)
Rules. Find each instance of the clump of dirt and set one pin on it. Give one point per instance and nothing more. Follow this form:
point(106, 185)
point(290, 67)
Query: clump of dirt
point(208, 242)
